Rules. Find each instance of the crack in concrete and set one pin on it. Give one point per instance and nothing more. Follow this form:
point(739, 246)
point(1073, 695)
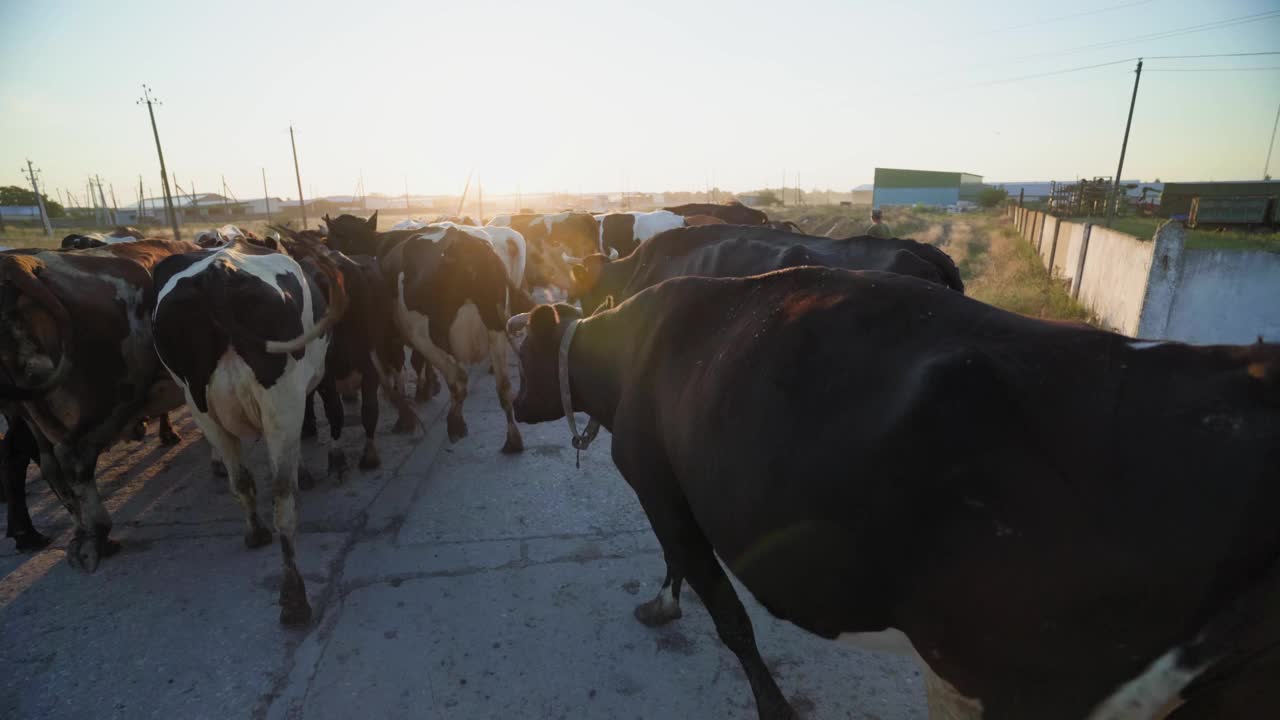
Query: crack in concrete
point(328, 606)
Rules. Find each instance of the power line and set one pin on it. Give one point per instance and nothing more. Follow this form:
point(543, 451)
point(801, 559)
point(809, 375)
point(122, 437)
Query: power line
point(1202, 27)
point(1051, 73)
point(1240, 69)
point(1212, 55)
point(1125, 60)
point(1070, 16)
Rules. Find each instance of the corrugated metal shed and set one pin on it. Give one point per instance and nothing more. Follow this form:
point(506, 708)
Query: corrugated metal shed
point(1177, 196)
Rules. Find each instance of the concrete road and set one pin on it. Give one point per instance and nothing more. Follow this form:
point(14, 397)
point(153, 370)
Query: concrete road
point(454, 582)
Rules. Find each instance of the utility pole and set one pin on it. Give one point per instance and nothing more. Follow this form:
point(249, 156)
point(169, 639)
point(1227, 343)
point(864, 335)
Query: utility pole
point(1115, 191)
point(115, 207)
point(103, 198)
point(35, 187)
point(226, 206)
point(1266, 169)
point(479, 201)
point(302, 203)
point(266, 196)
point(142, 199)
point(164, 175)
point(406, 193)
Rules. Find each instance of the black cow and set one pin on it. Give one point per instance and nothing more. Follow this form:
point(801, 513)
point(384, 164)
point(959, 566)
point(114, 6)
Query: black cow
point(366, 347)
point(18, 449)
point(738, 251)
point(732, 212)
point(1062, 522)
point(86, 241)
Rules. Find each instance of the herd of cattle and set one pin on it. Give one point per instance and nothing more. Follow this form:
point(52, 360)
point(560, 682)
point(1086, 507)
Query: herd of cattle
point(1056, 521)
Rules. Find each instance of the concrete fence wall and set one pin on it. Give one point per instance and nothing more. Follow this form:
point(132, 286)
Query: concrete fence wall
point(1158, 289)
point(1113, 281)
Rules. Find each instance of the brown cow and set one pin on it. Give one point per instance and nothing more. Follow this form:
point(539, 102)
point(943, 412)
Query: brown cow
point(80, 366)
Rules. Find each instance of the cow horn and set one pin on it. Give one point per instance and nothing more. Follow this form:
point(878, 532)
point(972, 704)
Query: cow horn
point(613, 253)
point(571, 260)
point(517, 323)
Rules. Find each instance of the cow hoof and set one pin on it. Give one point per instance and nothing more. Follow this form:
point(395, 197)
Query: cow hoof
point(305, 479)
point(457, 428)
point(219, 469)
point(514, 444)
point(31, 541)
point(294, 609)
point(139, 431)
point(337, 462)
point(256, 538)
point(369, 460)
point(168, 436)
point(657, 613)
point(296, 615)
point(84, 554)
point(308, 430)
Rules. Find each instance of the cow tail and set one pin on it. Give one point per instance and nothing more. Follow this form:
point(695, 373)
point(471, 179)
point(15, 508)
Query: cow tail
point(518, 301)
point(338, 301)
point(20, 271)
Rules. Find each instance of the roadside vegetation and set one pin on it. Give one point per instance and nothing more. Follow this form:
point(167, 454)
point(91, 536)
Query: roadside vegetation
point(1144, 228)
point(997, 266)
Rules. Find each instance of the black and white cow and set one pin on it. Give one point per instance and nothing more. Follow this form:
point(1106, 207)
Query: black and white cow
point(1056, 521)
point(244, 332)
point(452, 293)
point(625, 231)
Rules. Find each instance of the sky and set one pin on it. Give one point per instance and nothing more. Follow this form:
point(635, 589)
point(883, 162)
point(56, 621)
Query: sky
point(561, 95)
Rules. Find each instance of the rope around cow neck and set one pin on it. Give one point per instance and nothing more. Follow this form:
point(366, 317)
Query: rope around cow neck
point(580, 441)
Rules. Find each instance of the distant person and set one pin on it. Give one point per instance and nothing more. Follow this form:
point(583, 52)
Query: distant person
point(877, 228)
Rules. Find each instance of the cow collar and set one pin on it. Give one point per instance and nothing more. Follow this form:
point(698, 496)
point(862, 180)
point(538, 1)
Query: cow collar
point(583, 441)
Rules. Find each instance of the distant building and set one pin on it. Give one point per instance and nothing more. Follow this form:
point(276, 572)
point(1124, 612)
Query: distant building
point(1177, 196)
point(863, 194)
point(750, 199)
point(895, 186)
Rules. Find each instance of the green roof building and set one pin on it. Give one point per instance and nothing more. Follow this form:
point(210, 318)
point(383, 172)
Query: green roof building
point(894, 186)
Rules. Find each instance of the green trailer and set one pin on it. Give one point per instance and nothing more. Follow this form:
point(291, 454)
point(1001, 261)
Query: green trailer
point(1221, 211)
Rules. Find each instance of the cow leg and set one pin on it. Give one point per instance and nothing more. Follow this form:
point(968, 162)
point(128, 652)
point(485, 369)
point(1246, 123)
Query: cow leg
point(665, 606)
point(428, 385)
point(454, 375)
point(92, 541)
point(406, 419)
point(284, 449)
point(335, 414)
point(498, 344)
point(227, 446)
point(168, 436)
point(690, 554)
point(17, 450)
point(309, 416)
point(369, 418)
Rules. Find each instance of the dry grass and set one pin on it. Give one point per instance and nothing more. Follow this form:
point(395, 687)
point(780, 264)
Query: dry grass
point(1001, 269)
point(997, 266)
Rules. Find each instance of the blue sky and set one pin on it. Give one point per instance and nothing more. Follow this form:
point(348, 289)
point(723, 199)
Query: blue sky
point(565, 95)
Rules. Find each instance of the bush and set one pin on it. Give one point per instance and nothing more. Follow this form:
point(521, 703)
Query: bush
point(991, 197)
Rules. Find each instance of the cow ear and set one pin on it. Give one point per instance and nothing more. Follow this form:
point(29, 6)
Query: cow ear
point(372, 222)
point(543, 321)
point(327, 221)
